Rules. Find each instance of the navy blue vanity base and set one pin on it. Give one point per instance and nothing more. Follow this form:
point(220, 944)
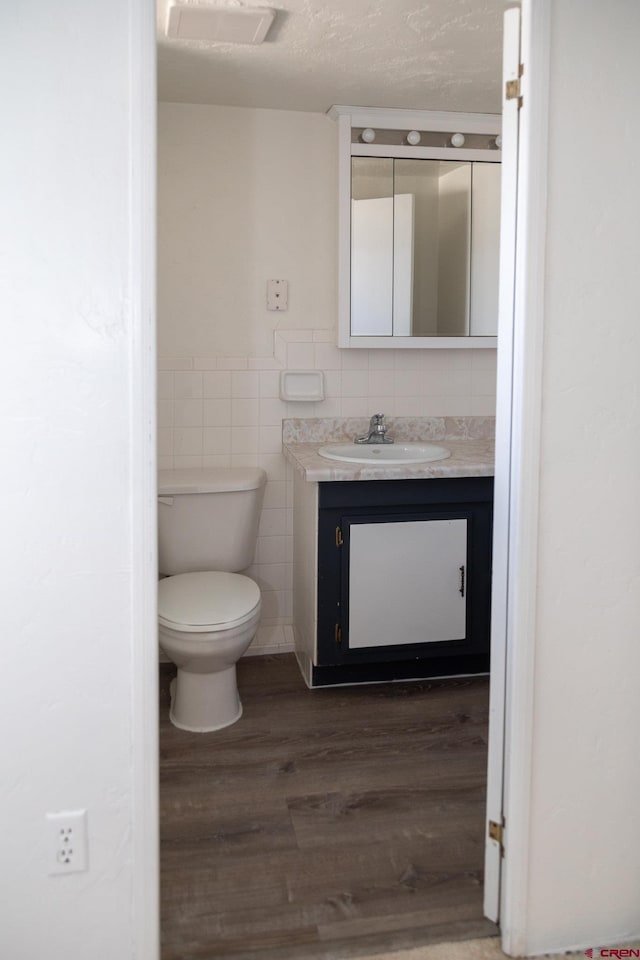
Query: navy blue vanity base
point(418, 669)
point(344, 505)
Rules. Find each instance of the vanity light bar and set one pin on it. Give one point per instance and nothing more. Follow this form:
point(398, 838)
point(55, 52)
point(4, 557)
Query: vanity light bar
point(425, 138)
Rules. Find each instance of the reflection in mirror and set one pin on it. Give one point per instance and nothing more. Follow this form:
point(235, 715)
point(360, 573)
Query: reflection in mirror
point(424, 247)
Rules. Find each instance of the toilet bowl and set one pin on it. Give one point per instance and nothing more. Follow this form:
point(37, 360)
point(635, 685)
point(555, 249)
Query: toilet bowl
point(206, 622)
point(208, 610)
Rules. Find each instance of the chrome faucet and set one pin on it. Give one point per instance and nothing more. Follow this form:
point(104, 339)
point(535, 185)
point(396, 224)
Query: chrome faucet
point(377, 431)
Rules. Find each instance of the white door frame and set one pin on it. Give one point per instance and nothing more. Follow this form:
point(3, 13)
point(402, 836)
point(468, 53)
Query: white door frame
point(143, 480)
point(520, 482)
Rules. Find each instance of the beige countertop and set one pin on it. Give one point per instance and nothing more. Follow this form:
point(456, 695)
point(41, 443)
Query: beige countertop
point(469, 458)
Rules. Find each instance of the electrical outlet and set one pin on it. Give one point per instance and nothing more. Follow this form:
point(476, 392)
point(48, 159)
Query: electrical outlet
point(67, 836)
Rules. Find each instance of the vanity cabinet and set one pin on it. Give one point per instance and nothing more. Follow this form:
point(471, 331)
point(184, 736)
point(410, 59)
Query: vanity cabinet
point(392, 579)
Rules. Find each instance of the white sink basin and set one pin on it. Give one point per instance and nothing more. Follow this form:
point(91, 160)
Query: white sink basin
point(387, 453)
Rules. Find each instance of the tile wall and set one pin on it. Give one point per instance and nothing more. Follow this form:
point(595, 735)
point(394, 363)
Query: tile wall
point(226, 411)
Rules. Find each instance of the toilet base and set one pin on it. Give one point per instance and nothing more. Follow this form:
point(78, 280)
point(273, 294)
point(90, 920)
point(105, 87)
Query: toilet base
point(204, 702)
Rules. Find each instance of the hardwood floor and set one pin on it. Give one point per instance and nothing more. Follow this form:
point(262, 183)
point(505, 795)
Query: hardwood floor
point(326, 823)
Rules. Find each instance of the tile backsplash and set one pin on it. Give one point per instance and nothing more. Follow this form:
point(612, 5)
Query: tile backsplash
point(226, 411)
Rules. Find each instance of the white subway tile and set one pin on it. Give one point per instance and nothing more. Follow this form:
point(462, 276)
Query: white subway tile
point(175, 363)
point(356, 407)
point(386, 405)
point(245, 383)
point(274, 549)
point(217, 384)
point(263, 363)
point(164, 385)
point(233, 363)
point(274, 464)
point(216, 441)
point(410, 407)
point(245, 413)
point(273, 523)
point(483, 406)
point(327, 335)
point(409, 383)
point(165, 413)
point(269, 384)
point(244, 459)
point(245, 440)
point(275, 494)
point(483, 383)
point(354, 383)
point(217, 413)
point(332, 384)
point(205, 363)
point(187, 384)
point(165, 463)
point(329, 407)
point(186, 462)
point(382, 359)
point(296, 336)
point(270, 439)
point(165, 442)
point(326, 356)
point(221, 460)
point(187, 413)
point(355, 359)
point(272, 412)
point(458, 406)
point(274, 576)
point(381, 383)
point(300, 356)
point(187, 441)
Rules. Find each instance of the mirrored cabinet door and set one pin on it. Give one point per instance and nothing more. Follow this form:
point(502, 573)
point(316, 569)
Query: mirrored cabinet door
point(424, 247)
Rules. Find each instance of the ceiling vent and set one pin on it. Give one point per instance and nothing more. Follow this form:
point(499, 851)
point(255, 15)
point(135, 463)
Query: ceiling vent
point(218, 24)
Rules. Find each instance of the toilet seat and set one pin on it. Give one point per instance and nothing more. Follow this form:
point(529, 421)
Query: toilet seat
point(207, 601)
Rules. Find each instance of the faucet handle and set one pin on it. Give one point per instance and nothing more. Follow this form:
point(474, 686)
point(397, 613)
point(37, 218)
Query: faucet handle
point(377, 418)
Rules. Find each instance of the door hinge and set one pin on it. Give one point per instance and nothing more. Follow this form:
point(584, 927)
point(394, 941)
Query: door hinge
point(513, 89)
point(339, 540)
point(337, 634)
point(496, 832)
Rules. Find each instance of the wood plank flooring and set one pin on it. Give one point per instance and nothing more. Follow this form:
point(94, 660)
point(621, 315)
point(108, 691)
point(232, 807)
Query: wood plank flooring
point(325, 824)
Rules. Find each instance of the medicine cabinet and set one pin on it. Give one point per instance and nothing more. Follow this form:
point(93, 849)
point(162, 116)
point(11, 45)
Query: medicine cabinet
point(419, 228)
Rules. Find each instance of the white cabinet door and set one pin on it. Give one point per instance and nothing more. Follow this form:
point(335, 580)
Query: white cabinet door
point(407, 582)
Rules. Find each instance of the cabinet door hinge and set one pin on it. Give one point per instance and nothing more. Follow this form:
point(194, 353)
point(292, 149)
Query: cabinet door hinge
point(337, 634)
point(339, 540)
point(496, 832)
point(513, 90)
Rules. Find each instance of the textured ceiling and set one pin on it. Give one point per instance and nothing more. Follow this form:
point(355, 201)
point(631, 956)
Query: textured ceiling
point(437, 55)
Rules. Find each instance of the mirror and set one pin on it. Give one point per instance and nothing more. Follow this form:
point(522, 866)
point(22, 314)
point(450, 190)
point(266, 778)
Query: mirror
point(424, 247)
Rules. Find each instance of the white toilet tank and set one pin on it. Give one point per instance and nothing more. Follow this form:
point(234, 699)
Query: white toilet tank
point(208, 518)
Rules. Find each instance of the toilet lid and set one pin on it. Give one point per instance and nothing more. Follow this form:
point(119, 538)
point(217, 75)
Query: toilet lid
point(207, 598)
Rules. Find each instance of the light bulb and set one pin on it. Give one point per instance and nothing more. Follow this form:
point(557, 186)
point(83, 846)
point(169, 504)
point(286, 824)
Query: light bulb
point(457, 140)
point(368, 135)
point(413, 137)
point(498, 142)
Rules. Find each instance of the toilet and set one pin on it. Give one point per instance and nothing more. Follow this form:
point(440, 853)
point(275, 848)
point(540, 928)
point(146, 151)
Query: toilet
point(208, 613)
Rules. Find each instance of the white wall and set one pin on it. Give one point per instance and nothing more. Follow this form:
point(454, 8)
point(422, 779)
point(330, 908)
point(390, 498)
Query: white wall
point(75, 514)
point(584, 840)
point(245, 195)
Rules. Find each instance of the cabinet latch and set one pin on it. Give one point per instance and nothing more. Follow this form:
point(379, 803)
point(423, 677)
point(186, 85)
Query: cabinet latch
point(339, 540)
point(337, 634)
point(496, 832)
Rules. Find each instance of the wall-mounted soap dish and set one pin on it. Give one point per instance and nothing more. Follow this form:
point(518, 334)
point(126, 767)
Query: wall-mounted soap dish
point(302, 385)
